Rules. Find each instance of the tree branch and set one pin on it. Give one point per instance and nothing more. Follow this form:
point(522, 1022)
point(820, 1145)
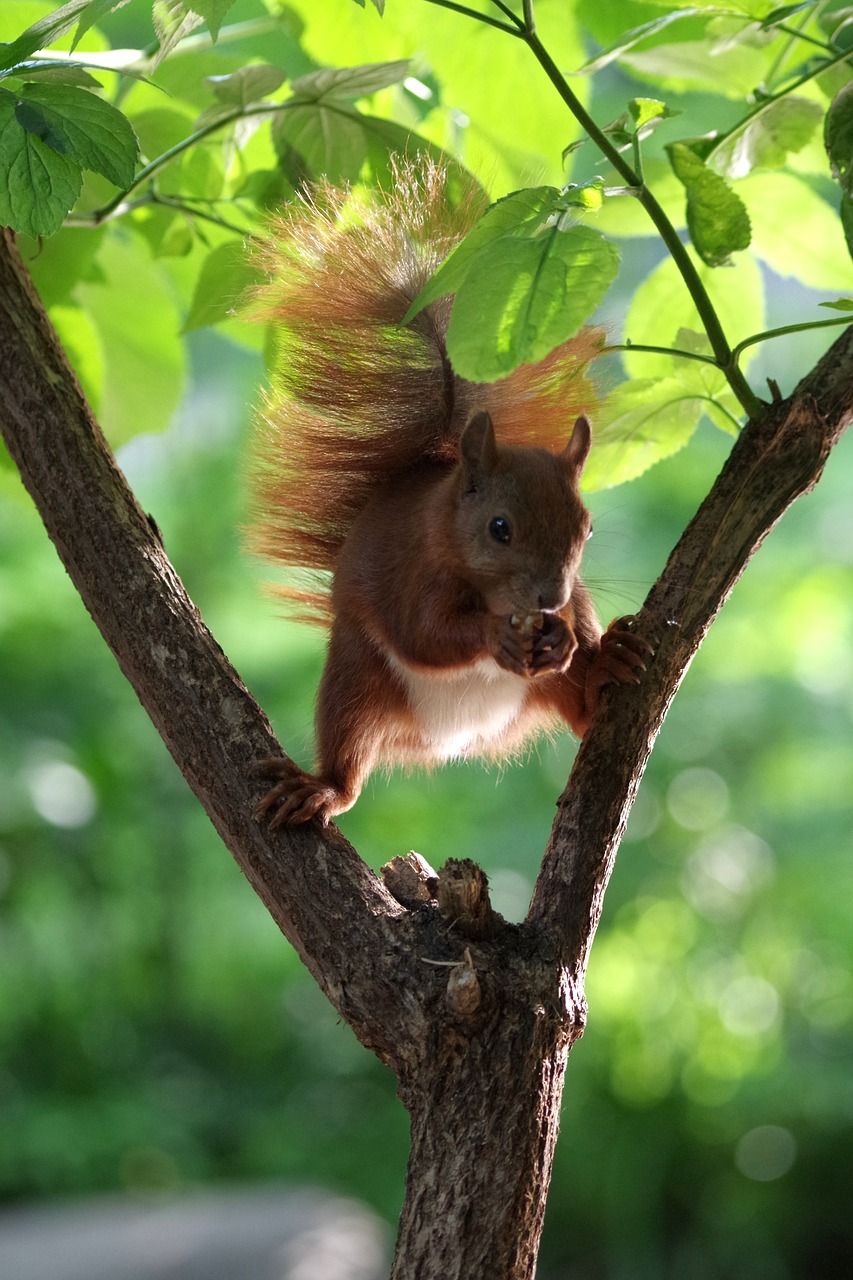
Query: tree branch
point(337, 914)
point(778, 457)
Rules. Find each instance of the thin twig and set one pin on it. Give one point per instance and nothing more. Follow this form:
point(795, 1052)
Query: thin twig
point(478, 17)
point(788, 328)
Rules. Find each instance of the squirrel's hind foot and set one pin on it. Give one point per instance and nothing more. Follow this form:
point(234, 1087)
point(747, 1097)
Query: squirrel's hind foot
point(298, 796)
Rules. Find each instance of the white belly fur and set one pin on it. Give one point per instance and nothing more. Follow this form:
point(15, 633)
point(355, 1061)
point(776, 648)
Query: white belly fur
point(461, 711)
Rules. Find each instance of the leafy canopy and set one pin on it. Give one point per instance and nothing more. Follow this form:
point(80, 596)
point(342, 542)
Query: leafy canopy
point(160, 162)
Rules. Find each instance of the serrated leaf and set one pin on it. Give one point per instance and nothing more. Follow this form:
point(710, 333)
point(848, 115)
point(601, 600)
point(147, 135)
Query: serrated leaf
point(82, 126)
point(716, 218)
point(644, 110)
point(42, 33)
point(379, 5)
point(350, 82)
point(38, 185)
point(225, 276)
point(213, 12)
point(838, 136)
point(523, 295)
point(638, 424)
point(97, 9)
point(247, 84)
point(643, 32)
point(515, 214)
point(766, 137)
point(840, 304)
point(173, 19)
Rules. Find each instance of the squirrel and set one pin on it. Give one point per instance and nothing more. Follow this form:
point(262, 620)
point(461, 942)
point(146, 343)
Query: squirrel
point(448, 512)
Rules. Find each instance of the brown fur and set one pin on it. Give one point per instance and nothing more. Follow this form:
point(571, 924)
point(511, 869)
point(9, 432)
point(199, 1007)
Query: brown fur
point(356, 399)
point(377, 463)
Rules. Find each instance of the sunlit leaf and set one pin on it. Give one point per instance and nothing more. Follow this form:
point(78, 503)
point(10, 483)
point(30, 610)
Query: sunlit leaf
point(716, 217)
point(766, 137)
point(522, 296)
point(513, 215)
point(247, 84)
point(840, 304)
point(647, 29)
point(351, 82)
point(637, 425)
point(226, 274)
point(795, 231)
point(97, 9)
point(662, 305)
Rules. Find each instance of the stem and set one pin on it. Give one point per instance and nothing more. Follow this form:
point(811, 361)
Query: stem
point(514, 19)
point(516, 30)
point(710, 320)
point(801, 35)
point(788, 328)
point(660, 351)
point(153, 166)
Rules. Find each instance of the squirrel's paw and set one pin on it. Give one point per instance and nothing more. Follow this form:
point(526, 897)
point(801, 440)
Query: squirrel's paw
point(554, 645)
point(621, 659)
point(297, 797)
point(511, 645)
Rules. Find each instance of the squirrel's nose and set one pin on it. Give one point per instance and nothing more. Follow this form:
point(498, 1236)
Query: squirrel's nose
point(550, 601)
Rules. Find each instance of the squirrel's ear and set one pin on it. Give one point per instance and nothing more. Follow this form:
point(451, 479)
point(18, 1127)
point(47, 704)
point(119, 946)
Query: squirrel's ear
point(478, 447)
point(577, 450)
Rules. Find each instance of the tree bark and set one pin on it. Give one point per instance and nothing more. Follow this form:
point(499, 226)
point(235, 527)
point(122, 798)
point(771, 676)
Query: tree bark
point(476, 1019)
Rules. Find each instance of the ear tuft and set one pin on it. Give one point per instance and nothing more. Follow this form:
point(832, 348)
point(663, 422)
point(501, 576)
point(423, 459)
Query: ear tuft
point(478, 447)
point(576, 451)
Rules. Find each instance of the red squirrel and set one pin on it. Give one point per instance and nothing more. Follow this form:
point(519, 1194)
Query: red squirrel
point(448, 512)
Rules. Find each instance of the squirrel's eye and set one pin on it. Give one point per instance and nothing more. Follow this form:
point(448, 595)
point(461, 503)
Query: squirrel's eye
point(589, 534)
point(499, 529)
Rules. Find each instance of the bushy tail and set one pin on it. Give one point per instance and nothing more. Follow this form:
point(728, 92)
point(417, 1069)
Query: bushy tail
point(357, 399)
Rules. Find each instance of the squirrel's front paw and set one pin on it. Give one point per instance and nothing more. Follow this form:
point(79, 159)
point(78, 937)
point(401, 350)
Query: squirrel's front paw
point(554, 644)
point(621, 659)
point(297, 797)
point(511, 643)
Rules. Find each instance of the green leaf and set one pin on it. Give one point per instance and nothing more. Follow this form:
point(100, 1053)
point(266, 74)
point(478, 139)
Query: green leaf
point(645, 110)
point(637, 34)
point(691, 65)
point(56, 73)
point(42, 33)
point(522, 296)
point(316, 139)
point(247, 84)
point(38, 184)
point(135, 339)
point(173, 20)
point(515, 214)
point(840, 304)
point(838, 137)
point(796, 232)
point(847, 221)
point(661, 306)
point(716, 218)
point(765, 138)
point(82, 344)
point(82, 126)
point(637, 425)
point(379, 5)
point(97, 9)
point(225, 276)
point(350, 82)
point(213, 12)
point(784, 12)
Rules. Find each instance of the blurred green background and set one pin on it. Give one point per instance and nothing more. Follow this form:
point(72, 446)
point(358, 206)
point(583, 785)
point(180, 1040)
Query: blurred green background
point(156, 1032)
